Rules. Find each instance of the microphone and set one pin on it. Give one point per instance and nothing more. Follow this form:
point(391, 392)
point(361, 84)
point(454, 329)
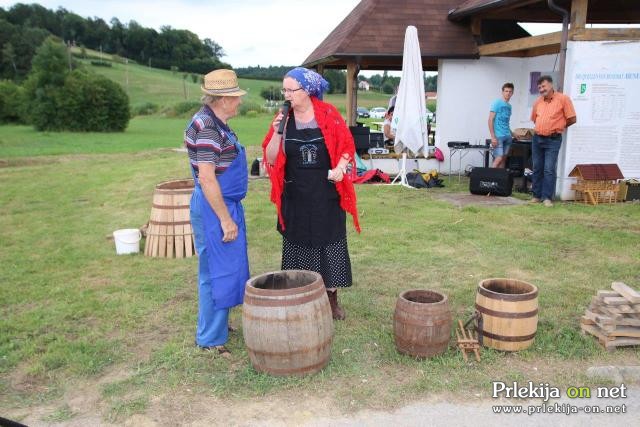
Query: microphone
point(285, 112)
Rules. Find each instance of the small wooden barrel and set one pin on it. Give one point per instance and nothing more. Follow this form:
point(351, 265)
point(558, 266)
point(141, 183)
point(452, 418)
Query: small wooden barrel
point(169, 234)
point(422, 323)
point(509, 310)
point(287, 323)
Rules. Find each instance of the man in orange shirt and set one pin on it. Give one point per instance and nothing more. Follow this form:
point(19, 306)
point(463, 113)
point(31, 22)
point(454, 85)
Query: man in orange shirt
point(552, 113)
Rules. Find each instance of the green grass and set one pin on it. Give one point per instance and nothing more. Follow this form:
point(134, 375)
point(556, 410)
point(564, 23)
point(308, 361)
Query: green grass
point(143, 133)
point(72, 311)
point(164, 87)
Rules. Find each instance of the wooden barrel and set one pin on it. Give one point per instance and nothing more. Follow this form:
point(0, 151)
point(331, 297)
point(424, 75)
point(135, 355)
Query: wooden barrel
point(169, 234)
point(287, 323)
point(422, 323)
point(509, 310)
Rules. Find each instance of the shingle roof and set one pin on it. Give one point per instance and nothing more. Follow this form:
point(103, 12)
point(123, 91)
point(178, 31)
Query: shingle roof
point(471, 7)
point(597, 172)
point(374, 32)
point(599, 11)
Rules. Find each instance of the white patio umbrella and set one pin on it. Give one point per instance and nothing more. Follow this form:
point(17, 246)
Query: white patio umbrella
point(410, 112)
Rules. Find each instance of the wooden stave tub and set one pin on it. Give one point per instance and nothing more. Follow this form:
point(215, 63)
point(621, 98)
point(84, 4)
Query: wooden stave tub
point(422, 329)
point(169, 234)
point(271, 316)
point(509, 320)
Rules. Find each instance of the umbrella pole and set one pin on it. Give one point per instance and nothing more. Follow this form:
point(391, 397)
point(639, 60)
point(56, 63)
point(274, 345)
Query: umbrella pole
point(402, 174)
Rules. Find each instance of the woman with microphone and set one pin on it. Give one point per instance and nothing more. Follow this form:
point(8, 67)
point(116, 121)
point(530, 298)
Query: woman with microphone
point(310, 186)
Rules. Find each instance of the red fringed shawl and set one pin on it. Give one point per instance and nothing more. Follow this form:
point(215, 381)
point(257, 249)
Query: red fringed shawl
point(338, 140)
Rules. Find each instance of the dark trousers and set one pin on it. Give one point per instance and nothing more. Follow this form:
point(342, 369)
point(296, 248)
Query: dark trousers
point(544, 153)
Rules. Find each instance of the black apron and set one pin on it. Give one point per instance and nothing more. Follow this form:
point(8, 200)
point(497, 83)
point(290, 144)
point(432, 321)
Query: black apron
point(310, 202)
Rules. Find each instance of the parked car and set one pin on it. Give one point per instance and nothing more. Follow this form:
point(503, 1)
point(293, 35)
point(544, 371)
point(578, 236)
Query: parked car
point(378, 112)
point(363, 112)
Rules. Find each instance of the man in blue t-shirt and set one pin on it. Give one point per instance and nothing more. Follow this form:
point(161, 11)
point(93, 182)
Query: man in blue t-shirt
point(499, 126)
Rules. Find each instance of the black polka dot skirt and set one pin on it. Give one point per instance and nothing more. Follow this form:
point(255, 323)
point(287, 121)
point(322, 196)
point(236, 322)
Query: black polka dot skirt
point(331, 261)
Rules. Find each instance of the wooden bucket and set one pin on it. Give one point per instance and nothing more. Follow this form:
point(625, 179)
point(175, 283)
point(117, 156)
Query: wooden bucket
point(509, 310)
point(287, 323)
point(170, 234)
point(422, 323)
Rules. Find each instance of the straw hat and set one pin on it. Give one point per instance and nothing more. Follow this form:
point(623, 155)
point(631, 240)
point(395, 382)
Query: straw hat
point(222, 83)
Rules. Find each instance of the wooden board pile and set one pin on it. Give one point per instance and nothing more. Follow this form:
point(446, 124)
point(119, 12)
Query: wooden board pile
point(614, 317)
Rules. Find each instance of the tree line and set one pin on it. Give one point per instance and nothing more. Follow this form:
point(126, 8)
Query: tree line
point(337, 80)
point(24, 27)
point(60, 93)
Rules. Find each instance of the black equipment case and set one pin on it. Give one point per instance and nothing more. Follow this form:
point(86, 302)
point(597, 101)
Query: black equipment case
point(494, 181)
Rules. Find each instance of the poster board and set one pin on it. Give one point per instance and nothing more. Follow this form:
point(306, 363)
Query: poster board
point(603, 81)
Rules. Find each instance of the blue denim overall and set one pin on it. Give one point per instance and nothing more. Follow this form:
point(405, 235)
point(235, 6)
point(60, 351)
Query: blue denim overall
point(223, 267)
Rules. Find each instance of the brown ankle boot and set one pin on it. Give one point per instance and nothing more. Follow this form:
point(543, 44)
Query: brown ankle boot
point(337, 311)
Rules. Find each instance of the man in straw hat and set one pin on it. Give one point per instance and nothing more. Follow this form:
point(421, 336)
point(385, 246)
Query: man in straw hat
point(219, 169)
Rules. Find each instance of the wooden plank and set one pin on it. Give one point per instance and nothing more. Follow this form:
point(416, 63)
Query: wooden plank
point(541, 50)
point(578, 14)
point(595, 331)
point(171, 229)
point(598, 34)
point(624, 331)
point(615, 301)
point(609, 312)
point(179, 234)
point(523, 43)
point(586, 321)
point(599, 319)
point(162, 229)
point(627, 292)
point(621, 342)
point(607, 293)
point(622, 309)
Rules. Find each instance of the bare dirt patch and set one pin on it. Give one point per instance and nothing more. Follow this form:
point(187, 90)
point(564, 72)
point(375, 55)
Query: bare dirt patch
point(461, 200)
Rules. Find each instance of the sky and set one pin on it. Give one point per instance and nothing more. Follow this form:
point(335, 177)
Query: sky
point(251, 32)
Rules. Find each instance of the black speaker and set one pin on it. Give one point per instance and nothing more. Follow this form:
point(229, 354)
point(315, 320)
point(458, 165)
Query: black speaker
point(360, 138)
point(494, 181)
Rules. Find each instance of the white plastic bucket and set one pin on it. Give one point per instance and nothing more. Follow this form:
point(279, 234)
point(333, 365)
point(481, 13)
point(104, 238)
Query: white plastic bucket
point(127, 241)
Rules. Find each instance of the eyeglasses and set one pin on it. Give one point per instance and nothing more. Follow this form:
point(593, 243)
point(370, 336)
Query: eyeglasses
point(285, 91)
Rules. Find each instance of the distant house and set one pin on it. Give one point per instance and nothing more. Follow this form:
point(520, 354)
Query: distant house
point(364, 85)
point(432, 96)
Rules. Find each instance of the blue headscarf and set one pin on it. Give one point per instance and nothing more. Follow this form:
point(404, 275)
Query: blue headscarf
point(312, 83)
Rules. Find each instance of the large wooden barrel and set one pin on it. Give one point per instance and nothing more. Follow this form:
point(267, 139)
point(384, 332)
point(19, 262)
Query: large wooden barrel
point(169, 234)
point(509, 310)
point(422, 323)
point(287, 323)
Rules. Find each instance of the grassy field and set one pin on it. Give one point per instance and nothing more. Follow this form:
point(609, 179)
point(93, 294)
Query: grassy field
point(165, 88)
point(143, 133)
point(75, 319)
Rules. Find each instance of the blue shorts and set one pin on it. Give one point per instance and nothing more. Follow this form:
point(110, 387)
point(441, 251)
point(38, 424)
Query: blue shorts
point(504, 142)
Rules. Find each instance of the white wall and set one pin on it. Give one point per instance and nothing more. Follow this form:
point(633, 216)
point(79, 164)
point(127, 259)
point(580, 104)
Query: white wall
point(603, 81)
point(466, 89)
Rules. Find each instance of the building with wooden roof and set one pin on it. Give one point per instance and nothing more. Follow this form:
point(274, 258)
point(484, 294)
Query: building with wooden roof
point(477, 45)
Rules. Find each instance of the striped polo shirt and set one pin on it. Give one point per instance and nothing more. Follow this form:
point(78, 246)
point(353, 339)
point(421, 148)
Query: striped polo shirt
point(207, 141)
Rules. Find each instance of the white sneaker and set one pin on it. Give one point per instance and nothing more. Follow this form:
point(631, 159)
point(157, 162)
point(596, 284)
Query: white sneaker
point(547, 203)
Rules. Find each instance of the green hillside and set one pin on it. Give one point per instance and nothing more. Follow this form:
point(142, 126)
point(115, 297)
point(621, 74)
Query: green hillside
point(166, 88)
point(163, 87)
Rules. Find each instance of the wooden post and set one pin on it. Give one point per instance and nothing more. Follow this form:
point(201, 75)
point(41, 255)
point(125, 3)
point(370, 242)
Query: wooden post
point(476, 26)
point(352, 93)
point(578, 14)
